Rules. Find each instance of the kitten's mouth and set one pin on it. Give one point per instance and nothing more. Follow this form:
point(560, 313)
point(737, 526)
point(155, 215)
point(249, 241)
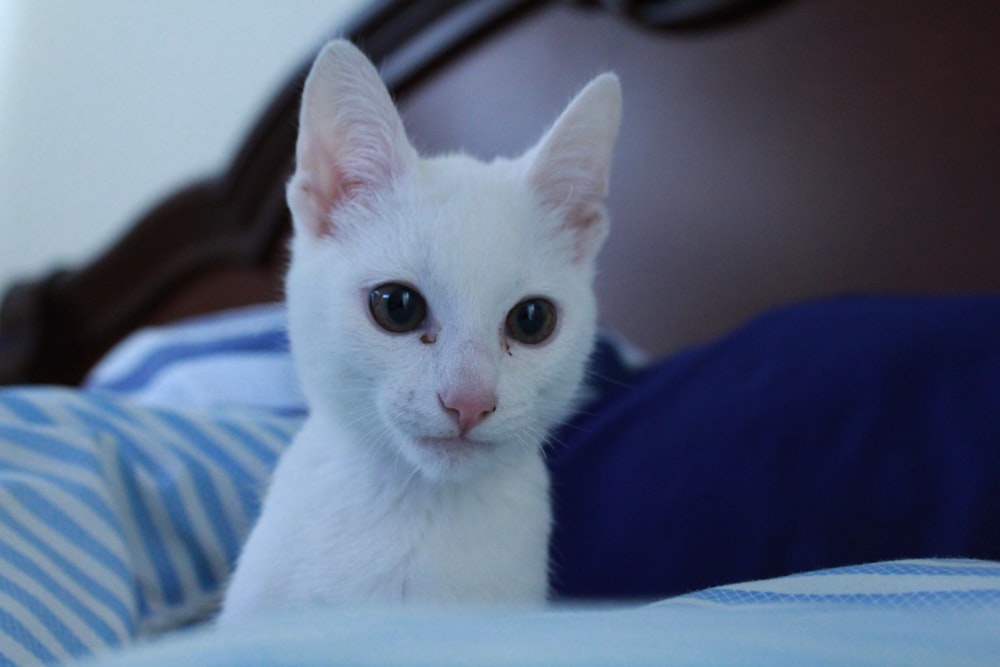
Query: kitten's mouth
point(454, 446)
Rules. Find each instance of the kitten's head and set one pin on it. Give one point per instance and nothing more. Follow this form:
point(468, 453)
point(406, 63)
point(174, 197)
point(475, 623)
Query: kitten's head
point(442, 309)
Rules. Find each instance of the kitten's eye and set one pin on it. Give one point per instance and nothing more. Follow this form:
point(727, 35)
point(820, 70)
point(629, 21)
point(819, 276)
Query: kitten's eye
point(531, 321)
point(397, 308)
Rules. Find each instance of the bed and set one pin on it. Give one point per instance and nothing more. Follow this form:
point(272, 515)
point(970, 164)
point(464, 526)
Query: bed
point(791, 448)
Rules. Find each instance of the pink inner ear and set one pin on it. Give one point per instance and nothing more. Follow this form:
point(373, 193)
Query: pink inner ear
point(308, 206)
point(589, 229)
point(312, 206)
point(573, 185)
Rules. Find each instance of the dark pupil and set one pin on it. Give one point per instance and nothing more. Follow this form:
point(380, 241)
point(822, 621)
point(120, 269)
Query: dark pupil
point(400, 305)
point(530, 319)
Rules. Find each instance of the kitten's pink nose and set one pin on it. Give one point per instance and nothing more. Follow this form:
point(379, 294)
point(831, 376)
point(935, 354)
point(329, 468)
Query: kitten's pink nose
point(468, 408)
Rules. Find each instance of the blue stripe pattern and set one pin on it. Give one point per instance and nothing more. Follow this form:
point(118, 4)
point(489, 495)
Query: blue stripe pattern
point(867, 616)
point(119, 521)
point(264, 342)
point(234, 358)
point(898, 585)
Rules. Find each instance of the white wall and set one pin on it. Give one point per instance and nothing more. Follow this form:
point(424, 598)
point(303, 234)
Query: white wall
point(107, 105)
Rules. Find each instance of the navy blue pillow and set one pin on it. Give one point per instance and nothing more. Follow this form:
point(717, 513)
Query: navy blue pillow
point(824, 434)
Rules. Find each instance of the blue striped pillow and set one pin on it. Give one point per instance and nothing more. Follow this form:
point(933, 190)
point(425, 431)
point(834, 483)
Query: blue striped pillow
point(234, 358)
point(118, 521)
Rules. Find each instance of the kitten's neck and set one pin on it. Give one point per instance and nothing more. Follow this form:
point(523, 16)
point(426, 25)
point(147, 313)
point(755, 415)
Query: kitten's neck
point(375, 461)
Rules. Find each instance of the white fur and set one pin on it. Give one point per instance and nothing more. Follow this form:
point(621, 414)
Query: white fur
point(360, 508)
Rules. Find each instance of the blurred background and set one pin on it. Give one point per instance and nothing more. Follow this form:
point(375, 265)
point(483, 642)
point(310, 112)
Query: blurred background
point(107, 105)
point(822, 148)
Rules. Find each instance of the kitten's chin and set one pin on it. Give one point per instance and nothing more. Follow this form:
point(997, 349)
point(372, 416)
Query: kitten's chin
point(448, 458)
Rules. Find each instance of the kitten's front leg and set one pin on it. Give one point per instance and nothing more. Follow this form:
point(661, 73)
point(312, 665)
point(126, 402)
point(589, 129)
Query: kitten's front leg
point(277, 562)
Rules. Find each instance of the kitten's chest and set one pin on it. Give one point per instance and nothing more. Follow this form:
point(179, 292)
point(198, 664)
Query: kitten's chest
point(372, 537)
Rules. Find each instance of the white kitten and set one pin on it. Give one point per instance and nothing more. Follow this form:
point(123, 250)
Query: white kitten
point(441, 312)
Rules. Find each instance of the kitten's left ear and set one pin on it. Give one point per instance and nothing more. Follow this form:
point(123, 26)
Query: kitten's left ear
point(571, 164)
point(351, 140)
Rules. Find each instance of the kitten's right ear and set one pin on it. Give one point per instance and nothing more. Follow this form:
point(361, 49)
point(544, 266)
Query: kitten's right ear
point(570, 166)
point(351, 140)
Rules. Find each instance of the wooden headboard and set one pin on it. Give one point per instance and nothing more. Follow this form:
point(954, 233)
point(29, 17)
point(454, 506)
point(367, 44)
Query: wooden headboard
point(771, 151)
